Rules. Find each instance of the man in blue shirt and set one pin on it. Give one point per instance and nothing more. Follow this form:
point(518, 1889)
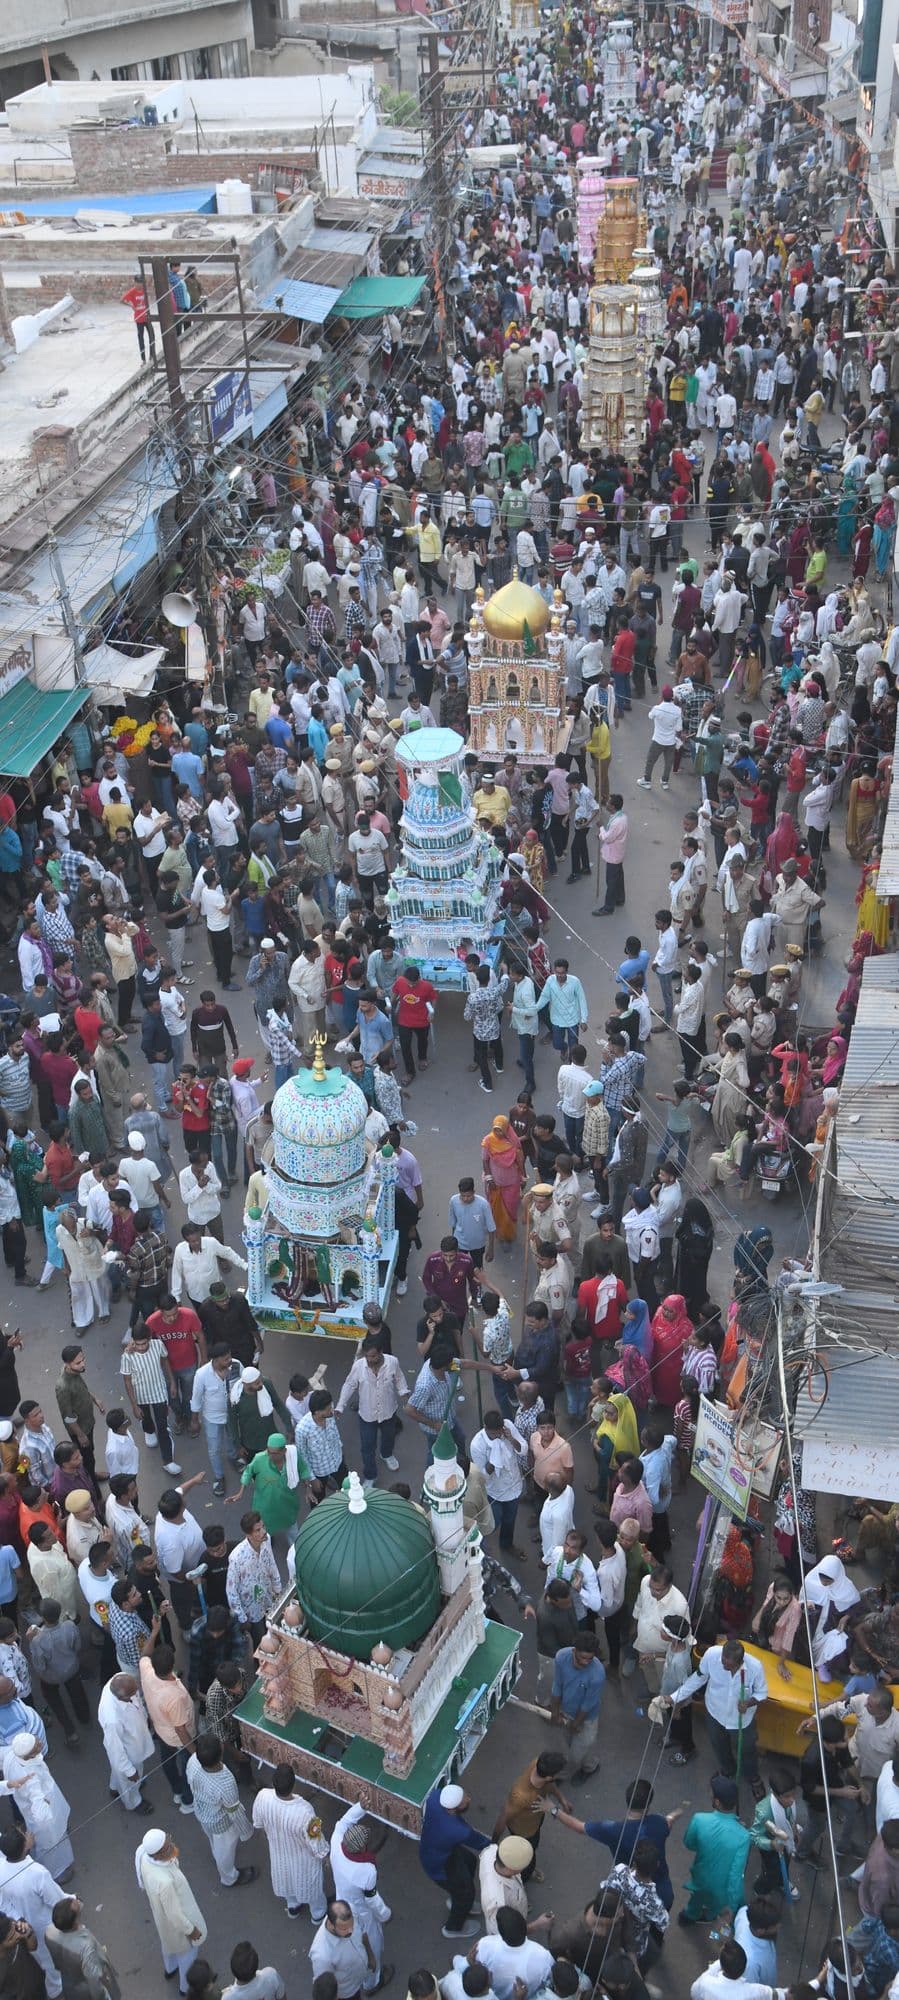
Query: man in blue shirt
point(636, 960)
point(197, 733)
point(373, 1030)
point(187, 767)
point(448, 1851)
point(576, 1700)
point(566, 1000)
point(16, 1716)
point(537, 1355)
point(470, 1221)
point(622, 1835)
point(279, 730)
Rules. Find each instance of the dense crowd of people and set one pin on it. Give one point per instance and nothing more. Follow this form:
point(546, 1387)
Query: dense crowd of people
point(726, 570)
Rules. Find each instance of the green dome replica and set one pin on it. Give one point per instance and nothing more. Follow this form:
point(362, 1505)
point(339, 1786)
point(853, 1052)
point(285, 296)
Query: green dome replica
point(380, 1672)
point(366, 1572)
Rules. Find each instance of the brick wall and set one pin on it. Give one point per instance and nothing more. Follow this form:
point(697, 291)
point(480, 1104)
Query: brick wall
point(109, 158)
point(54, 447)
point(185, 169)
point(97, 288)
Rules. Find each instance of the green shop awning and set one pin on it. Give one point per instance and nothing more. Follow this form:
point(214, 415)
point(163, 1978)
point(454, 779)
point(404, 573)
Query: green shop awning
point(31, 722)
point(366, 298)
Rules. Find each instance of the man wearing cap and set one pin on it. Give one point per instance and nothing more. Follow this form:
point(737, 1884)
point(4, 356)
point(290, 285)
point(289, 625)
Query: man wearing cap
point(267, 974)
point(492, 801)
point(142, 1176)
point(180, 1926)
point(276, 1475)
point(448, 1851)
point(253, 1406)
point(500, 1885)
point(720, 1848)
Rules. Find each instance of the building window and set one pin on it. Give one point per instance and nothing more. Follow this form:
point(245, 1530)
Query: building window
point(199, 64)
point(233, 59)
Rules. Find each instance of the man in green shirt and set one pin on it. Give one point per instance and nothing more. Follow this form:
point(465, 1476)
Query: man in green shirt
point(720, 1846)
point(518, 454)
point(273, 1495)
point(77, 1406)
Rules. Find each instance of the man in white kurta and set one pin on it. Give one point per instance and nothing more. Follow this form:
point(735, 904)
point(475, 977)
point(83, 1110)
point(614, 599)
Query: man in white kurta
point(356, 1882)
point(40, 1801)
point(126, 1738)
point(296, 1845)
point(179, 1922)
point(27, 1890)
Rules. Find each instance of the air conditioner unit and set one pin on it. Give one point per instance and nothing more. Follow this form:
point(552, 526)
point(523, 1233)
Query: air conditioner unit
point(767, 46)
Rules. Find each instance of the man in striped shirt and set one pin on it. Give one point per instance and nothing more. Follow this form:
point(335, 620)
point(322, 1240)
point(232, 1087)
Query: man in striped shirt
point(150, 1385)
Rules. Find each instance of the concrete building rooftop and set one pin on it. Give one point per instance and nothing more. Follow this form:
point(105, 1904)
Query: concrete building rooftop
point(72, 369)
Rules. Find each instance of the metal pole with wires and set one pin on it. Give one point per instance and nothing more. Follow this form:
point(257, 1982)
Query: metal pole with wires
point(831, 1840)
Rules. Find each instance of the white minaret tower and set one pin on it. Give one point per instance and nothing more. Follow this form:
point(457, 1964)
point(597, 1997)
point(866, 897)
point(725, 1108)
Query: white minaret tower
point(444, 1490)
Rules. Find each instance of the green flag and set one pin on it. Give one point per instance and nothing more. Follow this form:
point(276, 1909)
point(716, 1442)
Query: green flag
point(449, 788)
point(530, 643)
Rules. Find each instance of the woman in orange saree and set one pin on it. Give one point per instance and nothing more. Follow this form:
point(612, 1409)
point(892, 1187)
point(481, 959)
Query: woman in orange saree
point(504, 1173)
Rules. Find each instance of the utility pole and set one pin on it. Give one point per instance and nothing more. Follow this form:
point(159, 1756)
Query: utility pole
point(66, 607)
point(443, 219)
point(171, 347)
point(171, 354)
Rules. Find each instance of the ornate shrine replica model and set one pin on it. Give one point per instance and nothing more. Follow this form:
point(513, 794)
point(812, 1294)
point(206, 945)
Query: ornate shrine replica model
point(620, 64)
point(380, 1674)
point(620, 326)
point(325, 1243)
point(516, 680)
point(444, 895)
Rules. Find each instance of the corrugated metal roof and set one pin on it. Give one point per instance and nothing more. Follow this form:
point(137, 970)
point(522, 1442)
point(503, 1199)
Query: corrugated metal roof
point(398, 139)
point(398, 170)
point(296, 298)
point(888, 878)
point(321, 265)
point(346, 242)
point(868, 1116)
point(862, 1402)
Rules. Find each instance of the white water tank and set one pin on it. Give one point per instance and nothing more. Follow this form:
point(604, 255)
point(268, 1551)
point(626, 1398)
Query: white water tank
point(234, 198)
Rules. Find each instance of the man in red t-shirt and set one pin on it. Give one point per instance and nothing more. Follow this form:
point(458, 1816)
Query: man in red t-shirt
point(621, 664)
point(413, 1005)
point(182, 1336)
point(601, 1302)
point(190, 1096)
point(136, 298)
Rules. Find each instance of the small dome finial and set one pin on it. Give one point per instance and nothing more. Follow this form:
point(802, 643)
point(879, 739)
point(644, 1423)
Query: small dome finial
point(319, 1044)
point(356, 1493)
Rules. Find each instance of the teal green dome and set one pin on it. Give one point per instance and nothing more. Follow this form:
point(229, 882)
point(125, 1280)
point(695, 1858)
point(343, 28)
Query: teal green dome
point(368, 1575)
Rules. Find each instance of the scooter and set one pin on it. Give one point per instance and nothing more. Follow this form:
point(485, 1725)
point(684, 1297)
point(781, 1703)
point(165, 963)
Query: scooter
point(773, 1172)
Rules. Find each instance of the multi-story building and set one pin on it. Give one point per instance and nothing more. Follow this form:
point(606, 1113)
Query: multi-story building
point(128, 40)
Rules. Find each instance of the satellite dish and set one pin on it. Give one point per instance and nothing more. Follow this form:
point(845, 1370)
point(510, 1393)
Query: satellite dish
point(180, 609)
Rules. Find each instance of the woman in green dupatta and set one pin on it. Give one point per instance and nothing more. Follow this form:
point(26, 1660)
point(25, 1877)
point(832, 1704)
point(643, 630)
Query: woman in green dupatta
point(616, 1429)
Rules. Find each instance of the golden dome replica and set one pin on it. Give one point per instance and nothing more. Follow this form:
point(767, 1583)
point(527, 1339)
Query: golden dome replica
point(516, 681)
point(380, 1671)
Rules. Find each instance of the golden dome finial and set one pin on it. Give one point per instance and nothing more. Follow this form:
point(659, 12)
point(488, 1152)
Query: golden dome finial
point(515, 606)
point(319, 1043)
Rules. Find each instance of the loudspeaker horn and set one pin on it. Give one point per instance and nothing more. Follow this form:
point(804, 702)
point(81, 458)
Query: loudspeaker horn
point(180, 609)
